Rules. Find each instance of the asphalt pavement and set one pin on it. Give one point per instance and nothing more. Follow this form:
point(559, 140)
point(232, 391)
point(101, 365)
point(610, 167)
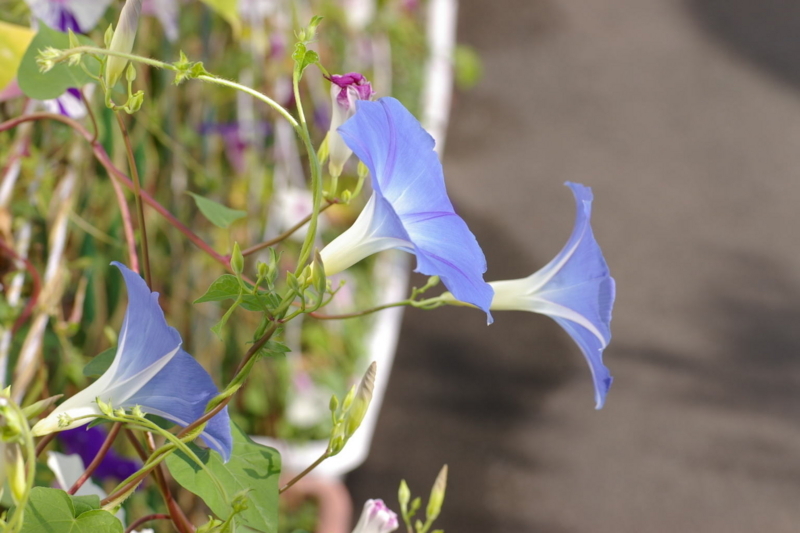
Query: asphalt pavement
point(684, 118)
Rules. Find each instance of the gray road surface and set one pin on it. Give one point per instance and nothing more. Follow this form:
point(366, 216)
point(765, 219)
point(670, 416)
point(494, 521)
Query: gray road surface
point(684, 117)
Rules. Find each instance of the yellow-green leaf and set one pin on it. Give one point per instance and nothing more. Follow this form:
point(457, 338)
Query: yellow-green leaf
point(14, 40)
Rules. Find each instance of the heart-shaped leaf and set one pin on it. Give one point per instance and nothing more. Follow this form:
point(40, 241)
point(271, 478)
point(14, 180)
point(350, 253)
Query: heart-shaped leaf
point(54, 511)
point(53, 83)
point(218, 214)
point(252, 470)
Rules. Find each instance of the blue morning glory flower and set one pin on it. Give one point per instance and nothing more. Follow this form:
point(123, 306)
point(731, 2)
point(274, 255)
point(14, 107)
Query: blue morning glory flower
point(409, 208)
point(149, 370)
point(575, 289)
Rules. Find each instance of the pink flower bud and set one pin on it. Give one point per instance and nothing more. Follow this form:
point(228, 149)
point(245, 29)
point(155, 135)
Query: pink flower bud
point(376, 518)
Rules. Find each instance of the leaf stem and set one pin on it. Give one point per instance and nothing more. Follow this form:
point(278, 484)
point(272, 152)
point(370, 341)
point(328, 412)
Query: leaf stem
point(144, 519)
point(303, 474)
point(103, 158)
point(286, 234)
point(137, 194)
point(252, 92)
point(101, 454)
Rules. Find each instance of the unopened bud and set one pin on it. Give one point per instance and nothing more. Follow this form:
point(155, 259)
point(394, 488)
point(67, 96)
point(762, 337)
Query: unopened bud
point(376, 518)
point(437, 495)
point(403, 495)
point(15, 469)
point(361, 402)
point(237, 260)
point(104, 407)
point(334, 404)
point(134, 103)
point(318, 274)
point(362, 170)
point(137, 412)
point(122, 41)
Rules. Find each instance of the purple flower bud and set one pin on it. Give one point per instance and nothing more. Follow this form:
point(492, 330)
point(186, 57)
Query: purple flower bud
point(352, 86)
point(376, 518)
point(346, 90)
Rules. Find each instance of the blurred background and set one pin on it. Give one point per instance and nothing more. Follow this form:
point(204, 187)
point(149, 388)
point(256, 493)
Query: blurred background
point(684, 118)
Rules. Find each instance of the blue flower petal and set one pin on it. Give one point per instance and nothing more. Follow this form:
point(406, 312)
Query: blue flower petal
point(180, 393)
point(145, 337)
point(168, 381)
point(577, 291)
point(406, 172)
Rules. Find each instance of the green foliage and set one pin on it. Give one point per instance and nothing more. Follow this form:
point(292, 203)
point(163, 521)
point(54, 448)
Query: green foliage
point(252, 470)
point(468, 66)
point(55, 511)
point(100, 363)
point(227, 287)
point(217, 214)
point(53, 83)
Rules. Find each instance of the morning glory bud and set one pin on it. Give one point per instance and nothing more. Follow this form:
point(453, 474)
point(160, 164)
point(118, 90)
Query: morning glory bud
point(237, 260)
point(376, 518)
point(122, 41)
point(437, 495)
point(363, 396)
point(575, 289)
point(346, 89)
point(15, 470)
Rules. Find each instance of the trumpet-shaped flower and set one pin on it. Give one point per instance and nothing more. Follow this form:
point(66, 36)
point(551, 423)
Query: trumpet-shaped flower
point(409, 208)
point(149, 370)
point(346, 90)
point(575, 289)
point(376, 518)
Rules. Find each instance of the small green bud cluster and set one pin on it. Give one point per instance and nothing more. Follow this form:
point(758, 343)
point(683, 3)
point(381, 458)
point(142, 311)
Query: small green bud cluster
point(348, 416)
point(409, 507)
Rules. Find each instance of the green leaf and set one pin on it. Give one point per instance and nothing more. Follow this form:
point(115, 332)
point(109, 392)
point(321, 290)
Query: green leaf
point(100, 363)
point(227, 287)
point(253, 469)
point(13, 42)
point(218, 214)
point(54, 511)
point(468, 67)
point(52, 84)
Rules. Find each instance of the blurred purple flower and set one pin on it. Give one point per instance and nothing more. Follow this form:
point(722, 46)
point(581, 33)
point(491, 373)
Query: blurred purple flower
point(234, 139)
point(80, 16)
point(86, 442)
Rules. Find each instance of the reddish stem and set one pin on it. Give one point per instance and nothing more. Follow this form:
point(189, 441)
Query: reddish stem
point(139, 521)
point(102, 157)
point(101, 454)
point(37, 286)
point(177, 516)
